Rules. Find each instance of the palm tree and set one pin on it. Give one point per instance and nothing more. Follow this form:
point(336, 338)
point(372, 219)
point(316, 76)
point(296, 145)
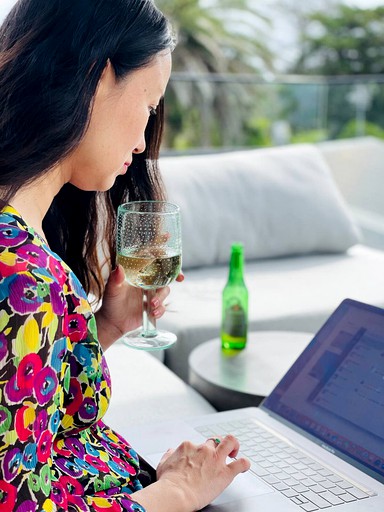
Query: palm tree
point(214, 36)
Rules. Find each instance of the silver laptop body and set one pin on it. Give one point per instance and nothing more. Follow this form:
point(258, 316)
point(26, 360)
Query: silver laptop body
point(317, 442)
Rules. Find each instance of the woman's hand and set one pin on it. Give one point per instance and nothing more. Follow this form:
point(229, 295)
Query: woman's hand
point(122, 307)
point(191, 477)
point(202, 471)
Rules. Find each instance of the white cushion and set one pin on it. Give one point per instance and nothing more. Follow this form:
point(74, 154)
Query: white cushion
point(357, 166)
point(278, 202)
point(293, 294)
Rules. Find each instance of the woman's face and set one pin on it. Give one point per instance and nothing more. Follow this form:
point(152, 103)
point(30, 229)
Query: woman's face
point(118, 120)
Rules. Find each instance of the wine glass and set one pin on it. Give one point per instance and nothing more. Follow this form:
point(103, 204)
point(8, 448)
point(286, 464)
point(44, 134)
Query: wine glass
point(149, 250)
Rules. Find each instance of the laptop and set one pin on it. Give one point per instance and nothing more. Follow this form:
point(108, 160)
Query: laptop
point(317, 441)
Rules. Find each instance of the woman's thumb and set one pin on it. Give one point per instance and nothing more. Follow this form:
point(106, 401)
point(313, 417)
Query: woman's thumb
point(116, 277)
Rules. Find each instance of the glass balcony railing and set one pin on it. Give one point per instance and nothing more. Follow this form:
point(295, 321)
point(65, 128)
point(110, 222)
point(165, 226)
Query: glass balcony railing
point(227, 111)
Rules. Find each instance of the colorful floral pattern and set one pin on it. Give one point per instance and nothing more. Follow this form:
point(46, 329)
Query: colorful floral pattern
point(55, 452)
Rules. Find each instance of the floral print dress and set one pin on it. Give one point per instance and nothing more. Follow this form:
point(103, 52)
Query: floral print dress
point(55, 452)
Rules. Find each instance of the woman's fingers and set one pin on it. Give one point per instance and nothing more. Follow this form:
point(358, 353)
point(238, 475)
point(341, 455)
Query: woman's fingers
point(214, 440)
point(229, 446)
point(239, 466)
point(167, 454)
point(157, 301)
point(202, 471)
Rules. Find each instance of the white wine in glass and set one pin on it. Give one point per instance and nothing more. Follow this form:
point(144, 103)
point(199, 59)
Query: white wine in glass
point(149, 250)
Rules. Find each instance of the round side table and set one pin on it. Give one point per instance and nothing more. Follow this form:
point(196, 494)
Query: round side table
point(244, 378)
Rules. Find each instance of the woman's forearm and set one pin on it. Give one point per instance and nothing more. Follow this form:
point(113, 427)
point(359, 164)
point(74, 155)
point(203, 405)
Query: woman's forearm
point(164, 496)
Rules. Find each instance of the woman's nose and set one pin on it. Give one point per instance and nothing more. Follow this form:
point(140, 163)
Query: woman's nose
point(140, 148)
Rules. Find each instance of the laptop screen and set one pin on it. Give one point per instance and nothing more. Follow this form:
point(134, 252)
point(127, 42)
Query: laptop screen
point(335, 389)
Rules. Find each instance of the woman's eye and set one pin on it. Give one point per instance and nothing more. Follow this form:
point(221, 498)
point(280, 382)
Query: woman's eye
point(152, 111)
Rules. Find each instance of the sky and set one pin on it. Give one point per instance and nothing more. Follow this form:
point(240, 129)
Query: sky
point(5, 6)
point(364, 3)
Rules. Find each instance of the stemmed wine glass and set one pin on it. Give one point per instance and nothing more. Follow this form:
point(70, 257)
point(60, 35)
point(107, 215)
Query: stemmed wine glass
point(149, 250)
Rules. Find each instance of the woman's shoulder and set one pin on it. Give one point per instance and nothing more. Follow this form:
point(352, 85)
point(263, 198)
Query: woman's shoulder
point(21, 249)
point(27, 263)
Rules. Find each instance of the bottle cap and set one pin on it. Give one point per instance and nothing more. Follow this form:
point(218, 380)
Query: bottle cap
point(237, 248)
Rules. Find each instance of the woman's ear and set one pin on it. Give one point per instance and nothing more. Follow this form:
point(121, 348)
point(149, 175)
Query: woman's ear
point(107, 82)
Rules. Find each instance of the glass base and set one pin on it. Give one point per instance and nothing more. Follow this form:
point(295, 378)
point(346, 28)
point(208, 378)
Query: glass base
point(161, 341)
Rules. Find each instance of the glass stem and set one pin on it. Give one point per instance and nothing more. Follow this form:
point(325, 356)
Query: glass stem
point(149, 321)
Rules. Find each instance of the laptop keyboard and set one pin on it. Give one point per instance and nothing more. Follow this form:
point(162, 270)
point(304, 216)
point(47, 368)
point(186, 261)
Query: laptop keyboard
point(284, 467)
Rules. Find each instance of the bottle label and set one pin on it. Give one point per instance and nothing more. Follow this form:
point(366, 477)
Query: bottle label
point(235, 321)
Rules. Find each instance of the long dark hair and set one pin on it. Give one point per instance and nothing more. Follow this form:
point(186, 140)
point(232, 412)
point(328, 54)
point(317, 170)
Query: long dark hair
point(52, 55)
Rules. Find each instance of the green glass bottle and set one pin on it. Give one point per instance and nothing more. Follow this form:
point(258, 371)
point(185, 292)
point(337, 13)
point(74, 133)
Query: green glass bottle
point(234, 326)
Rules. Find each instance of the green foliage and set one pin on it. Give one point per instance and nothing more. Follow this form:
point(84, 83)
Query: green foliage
point(217, 36)
point(309, 136)
point(351, 130)
point(230, 36)
point(345, 42)
point(214, 36)
point(258, 132)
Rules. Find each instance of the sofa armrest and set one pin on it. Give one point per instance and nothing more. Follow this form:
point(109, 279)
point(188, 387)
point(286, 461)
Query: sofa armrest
point(371, 225)
point(146, 391)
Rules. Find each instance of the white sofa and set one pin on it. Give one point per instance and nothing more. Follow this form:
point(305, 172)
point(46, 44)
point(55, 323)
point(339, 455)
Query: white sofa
point(301, 247)
point(304, 251)
point(357, 166)
point(146, 391)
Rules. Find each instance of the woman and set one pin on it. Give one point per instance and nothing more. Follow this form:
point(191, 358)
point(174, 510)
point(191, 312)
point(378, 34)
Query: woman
point(81, 111)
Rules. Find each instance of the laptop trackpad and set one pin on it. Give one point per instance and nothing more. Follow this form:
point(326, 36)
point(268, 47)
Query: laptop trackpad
point(244, 485)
